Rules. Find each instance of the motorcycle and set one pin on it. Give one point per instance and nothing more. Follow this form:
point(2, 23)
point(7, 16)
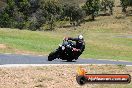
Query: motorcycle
point(64, 52)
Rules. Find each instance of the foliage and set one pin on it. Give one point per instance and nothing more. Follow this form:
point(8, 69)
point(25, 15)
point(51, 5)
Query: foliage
point(5, 20)
point(6, 15)
point(30, 14)
point(74, 13)
point(125, 4)
point(91, 7)
point(34, 14)
point(52, 10)
point(106, 5)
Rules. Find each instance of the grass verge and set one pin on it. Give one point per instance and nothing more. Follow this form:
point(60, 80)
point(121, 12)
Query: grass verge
point(101, 37)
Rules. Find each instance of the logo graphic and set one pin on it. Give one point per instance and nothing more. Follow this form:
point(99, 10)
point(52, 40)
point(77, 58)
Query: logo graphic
point(82, 77)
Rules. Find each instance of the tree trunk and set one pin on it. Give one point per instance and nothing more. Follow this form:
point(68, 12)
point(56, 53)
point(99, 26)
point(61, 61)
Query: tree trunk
point(92, 17)
point(124, 10)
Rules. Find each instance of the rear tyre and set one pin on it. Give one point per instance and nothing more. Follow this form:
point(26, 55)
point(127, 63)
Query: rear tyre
point(52, 56)
point(69, 60)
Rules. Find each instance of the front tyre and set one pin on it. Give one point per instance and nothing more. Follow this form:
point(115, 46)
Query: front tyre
point(52, 56)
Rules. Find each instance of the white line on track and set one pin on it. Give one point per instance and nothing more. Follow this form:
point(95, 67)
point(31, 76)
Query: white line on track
point(22, 54)
point(38, 65)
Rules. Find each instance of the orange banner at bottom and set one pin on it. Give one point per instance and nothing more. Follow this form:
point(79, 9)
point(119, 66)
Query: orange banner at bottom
point(83, 78)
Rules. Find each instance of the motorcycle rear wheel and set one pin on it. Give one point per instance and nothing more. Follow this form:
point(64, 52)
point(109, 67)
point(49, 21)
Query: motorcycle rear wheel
point(69, 60)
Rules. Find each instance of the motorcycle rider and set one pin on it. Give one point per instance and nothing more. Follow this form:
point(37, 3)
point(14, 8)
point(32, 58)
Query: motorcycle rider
point(79, 45)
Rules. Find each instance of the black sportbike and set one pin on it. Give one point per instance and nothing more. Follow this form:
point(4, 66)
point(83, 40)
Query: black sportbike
point(64, 52)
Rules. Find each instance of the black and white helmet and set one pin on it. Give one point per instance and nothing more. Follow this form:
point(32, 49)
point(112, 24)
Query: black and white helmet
point(80, 37)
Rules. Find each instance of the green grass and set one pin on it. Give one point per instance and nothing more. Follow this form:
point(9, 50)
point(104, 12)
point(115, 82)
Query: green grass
point(28, 40)
point(107, 46)
point(99, 45)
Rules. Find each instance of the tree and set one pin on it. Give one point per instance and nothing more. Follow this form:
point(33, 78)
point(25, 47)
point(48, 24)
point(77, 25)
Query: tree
point(125, 4)
point(74, 13)
point(5, 20)
point(78, 16)
point(91, 7)
point(53, 11)
point(34, 5)
point(37, 19)
point(6, 15)
point(106, 5)
point(33, 14)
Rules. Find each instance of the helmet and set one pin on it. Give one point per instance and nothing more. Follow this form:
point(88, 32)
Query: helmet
point(80, 37)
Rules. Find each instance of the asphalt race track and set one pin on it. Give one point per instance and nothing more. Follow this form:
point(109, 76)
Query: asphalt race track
point(6, 59)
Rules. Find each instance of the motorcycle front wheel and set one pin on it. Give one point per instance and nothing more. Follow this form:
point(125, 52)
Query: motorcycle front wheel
point(52, 56)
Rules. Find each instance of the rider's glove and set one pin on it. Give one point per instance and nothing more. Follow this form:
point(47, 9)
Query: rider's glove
point(65, 38)
point(74, 49)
